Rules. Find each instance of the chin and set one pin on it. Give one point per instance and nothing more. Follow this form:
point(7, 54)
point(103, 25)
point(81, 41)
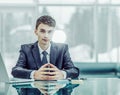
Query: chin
point(45, 43)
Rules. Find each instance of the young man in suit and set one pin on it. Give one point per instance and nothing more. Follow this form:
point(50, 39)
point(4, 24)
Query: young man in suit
point(55, 63)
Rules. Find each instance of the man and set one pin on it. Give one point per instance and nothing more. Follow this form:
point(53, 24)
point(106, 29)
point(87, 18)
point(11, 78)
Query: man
point(44, 59)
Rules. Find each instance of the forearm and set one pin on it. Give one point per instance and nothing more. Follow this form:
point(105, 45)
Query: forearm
point(20, 72)
point(72, 72)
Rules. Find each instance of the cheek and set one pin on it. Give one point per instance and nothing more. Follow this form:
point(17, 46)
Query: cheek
point(50, 36)
point(40, 35)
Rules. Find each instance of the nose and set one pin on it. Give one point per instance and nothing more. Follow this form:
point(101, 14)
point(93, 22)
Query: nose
point(46, 34)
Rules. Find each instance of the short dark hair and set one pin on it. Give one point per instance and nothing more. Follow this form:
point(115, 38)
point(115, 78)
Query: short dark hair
point(45, 20)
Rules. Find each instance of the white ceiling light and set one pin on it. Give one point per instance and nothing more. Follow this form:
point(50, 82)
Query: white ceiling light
point(59, 36)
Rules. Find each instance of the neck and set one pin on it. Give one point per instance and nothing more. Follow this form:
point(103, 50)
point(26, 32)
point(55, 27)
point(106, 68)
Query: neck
point(44, 46)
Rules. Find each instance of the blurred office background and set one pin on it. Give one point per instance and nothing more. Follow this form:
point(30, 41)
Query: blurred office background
point(91, 28)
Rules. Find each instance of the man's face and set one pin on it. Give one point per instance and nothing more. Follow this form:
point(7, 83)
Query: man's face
point(44, 33)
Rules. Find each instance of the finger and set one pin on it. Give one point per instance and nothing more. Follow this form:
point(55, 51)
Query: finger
point(52, 66)
point(47, 73)
point(49, 69)
point(44, 77)
point(53, 73)
point(45, 65)
point(50, 74)
point(53, 77)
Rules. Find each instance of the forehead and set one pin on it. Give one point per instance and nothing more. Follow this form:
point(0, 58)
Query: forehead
point(45, 27)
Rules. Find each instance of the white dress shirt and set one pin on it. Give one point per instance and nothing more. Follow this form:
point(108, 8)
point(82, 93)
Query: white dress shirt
point(48, 59)
point(48, 53)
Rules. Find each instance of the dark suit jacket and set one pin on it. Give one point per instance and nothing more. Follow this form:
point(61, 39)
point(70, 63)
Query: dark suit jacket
point(29, 60)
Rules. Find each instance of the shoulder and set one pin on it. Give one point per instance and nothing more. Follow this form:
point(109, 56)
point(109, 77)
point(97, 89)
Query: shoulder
point(28, 46)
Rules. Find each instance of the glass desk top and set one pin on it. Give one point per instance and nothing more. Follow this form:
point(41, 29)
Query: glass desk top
point(90, 86)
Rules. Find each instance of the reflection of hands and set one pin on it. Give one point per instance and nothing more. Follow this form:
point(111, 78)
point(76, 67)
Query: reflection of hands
point(48, 87)
point(48, 72)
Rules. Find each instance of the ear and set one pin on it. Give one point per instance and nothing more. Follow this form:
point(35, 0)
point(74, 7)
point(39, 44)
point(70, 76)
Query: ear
point(35, 31)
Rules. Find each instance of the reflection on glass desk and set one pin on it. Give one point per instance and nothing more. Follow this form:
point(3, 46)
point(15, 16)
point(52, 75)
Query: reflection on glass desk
point(90, 86)
point(59, 87)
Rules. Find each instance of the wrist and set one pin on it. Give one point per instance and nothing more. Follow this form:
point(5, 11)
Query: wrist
point(32, 74)
point(64, 74)
point(35, 75)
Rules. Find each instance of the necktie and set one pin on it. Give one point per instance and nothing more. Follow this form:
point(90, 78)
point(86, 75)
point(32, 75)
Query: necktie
point(44, 59)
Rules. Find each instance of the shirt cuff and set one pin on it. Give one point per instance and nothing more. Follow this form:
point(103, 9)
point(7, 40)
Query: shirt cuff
point(64, 73)
point(32, 74)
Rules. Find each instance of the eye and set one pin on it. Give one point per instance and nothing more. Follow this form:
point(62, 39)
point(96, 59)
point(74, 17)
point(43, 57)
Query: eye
point(50, 31)
point(42, 30)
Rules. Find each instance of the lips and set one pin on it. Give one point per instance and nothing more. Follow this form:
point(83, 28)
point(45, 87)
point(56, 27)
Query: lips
point(45, 40)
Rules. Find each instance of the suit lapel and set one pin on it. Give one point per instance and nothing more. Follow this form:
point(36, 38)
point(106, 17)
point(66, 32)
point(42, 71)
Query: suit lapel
point(53, 53)
point(36, 55)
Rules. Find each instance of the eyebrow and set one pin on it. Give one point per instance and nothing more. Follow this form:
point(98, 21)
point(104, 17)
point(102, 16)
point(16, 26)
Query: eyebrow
point(45, 30)
point(42, 29)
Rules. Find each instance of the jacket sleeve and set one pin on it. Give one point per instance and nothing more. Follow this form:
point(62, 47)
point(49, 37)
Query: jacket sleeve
point(71, 70)
point(20, 71)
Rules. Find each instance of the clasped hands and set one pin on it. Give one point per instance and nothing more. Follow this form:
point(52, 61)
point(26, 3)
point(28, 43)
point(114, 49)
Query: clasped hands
point(48, 72)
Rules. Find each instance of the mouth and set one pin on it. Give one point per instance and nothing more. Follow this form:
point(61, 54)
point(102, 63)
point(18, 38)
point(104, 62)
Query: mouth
point(45, 40)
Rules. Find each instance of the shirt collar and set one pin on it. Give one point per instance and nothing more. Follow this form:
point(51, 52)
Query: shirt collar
point(41, 50)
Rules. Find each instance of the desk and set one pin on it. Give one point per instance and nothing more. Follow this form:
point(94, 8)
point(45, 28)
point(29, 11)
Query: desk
point(90, 86)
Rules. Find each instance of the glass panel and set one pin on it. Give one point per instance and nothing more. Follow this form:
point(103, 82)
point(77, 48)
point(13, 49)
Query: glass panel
point(115, 17)
point(1, 32)
point(16, 1)
point(108, 34)
point(98, 86)
point(103, 1)
point(17, 26)
point(91, 86)
point(17, 30)
point(66, 1)
point(115, 1)
point(77, 23)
